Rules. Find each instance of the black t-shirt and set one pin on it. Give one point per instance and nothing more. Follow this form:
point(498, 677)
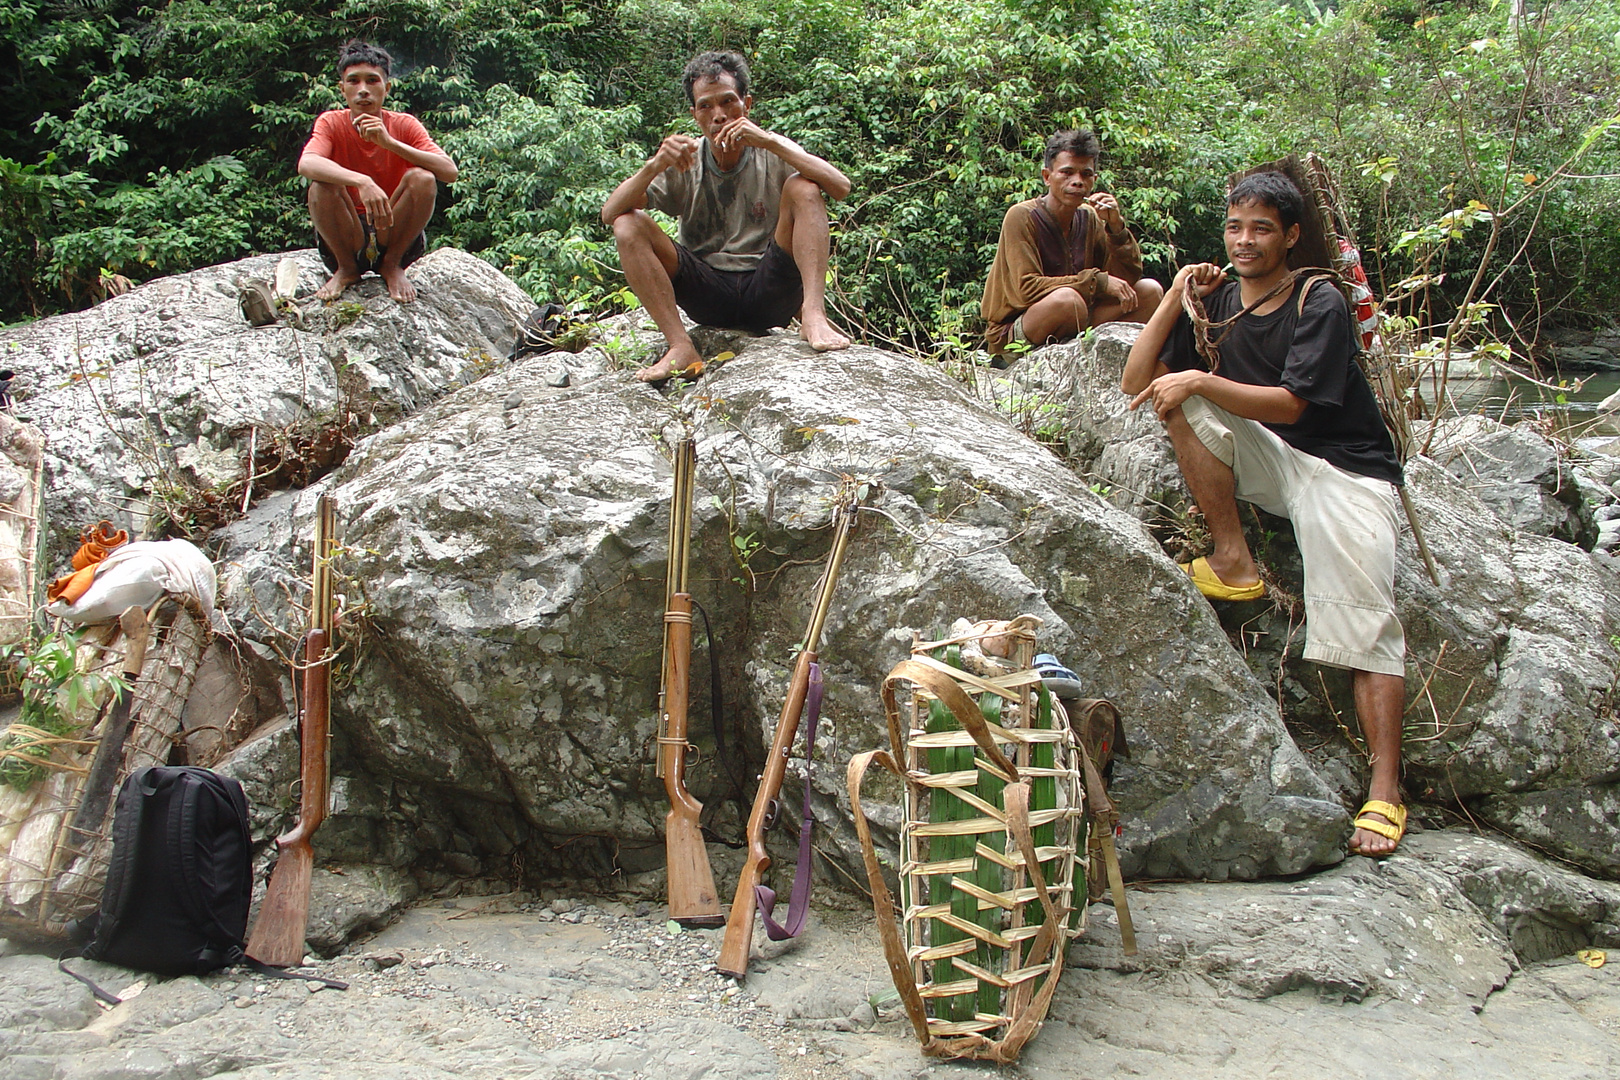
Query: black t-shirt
point(1312, 355)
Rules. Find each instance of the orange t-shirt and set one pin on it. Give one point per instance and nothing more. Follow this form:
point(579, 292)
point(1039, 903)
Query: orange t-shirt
point(336, 139)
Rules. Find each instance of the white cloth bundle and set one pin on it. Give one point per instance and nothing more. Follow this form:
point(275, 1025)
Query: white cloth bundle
point(138, 574)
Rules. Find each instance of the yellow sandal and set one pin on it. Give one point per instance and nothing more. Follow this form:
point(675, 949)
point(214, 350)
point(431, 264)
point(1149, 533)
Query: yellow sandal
point(1210, 584)
point(1393, 829)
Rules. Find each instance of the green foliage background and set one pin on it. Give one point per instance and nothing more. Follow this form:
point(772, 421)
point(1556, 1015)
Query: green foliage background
point(149, 138)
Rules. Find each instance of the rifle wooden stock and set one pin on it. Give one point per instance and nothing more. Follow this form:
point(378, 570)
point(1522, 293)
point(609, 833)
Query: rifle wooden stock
point(278, 935)
point(739, 937)
point(693, 900)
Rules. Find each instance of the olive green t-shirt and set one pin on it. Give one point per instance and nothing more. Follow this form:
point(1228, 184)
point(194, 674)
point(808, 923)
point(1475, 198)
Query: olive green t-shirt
point(726, 218)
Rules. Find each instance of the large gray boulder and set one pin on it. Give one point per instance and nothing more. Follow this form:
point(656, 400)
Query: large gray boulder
point(513, 539)
point(150, 402)
point(503, 576)
point(1519, 473)
point(1510, 660)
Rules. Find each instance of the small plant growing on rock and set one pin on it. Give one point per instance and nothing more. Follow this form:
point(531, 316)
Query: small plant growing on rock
point(54, 690)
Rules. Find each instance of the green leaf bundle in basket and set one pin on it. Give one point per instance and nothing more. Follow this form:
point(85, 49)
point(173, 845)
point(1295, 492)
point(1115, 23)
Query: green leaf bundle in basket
point(993, 842)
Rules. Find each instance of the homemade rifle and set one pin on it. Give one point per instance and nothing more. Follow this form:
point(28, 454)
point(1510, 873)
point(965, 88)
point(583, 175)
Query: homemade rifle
point(693, 901)
point(103, 775)
point(278, 937)
point(739, 935)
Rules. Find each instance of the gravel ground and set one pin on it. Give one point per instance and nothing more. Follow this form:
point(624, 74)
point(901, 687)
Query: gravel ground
point(1366, 970)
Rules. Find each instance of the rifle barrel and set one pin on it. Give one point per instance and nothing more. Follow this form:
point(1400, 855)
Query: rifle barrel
point(735, 946)
point(320, 611)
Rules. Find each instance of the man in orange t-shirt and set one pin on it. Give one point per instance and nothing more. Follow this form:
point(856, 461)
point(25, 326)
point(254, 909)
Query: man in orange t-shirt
point(373, 179)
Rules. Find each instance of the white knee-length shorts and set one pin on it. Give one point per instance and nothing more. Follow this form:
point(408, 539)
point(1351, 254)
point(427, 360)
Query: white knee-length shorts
point(1345, 524)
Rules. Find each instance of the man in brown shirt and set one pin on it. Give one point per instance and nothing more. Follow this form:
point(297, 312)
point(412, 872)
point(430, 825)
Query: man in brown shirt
point(1065, 261)
point(753, 223)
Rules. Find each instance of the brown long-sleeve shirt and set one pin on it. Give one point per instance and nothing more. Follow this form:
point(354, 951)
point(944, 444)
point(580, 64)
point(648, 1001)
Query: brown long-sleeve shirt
point(1019, 276)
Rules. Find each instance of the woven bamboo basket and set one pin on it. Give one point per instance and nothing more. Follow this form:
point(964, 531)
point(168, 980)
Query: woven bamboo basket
point(993, 846)
point(51, 873)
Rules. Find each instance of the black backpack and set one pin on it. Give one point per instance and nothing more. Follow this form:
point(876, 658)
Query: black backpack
point(181, 877)
point(539, 333)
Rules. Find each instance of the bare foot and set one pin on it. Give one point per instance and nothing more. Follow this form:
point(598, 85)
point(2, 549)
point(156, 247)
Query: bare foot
point(336, 284)
point(399, 286)
point(821, 334)
point(1364, 842)
point(678, 358)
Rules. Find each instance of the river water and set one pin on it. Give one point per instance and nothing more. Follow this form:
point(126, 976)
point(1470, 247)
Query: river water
point(1511, 400)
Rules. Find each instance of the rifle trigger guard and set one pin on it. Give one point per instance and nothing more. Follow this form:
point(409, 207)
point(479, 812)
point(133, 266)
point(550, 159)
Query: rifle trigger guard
point(772, 808)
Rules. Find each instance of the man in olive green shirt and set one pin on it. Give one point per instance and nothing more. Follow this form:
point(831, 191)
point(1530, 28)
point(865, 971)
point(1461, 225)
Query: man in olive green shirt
point(754, 236)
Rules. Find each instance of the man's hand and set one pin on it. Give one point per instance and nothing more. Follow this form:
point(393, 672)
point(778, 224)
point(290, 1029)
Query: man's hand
point(1205, 278)
point(1167, 392)
point(379, 207)
point(1120, 290)
point(1107, 208)
point(742, 131)
point(372, 129)
point(677, 152)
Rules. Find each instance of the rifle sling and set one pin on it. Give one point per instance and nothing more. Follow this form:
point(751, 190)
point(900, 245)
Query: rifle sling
point(799, 899)
point(717, 709)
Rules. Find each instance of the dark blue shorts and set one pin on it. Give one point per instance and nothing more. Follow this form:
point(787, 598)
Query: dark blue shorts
point(754, 300)
point(363, 257)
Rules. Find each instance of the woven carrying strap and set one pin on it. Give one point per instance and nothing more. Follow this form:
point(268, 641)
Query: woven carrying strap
point(1029, 1006)
point(1104, 817)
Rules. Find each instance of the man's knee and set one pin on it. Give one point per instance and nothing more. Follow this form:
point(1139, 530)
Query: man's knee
point(1058, 315)
point(418, 181)
point(1192, 428)
point(322, 195)
point(799, 194)
point(1148, 295)
point(630, 228)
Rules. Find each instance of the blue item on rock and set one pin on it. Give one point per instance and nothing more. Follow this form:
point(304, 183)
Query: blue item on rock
point(1059, 680)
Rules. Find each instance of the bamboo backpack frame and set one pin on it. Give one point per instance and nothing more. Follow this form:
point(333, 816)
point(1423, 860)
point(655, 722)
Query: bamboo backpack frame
point(993, 863)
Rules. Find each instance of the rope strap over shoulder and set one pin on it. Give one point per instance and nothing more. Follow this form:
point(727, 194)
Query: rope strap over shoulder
point(1193, 305)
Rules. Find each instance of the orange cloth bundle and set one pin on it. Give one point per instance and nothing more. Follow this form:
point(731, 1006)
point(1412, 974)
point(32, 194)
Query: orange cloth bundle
point(94, 544)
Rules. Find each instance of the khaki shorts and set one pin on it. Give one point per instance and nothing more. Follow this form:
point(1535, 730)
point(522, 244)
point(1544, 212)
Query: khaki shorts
point(1345, 524)
point(998, 336)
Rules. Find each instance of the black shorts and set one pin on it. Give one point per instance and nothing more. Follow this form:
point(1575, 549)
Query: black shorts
point(754, 300)
point(362, 259)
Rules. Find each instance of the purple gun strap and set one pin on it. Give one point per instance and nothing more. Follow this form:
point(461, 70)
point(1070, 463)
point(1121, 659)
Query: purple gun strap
point(799, 899)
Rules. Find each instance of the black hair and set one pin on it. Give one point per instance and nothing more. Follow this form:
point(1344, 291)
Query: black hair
point(1078, 143)
point(355, 51)
point(1273, 189)
point(712, 65)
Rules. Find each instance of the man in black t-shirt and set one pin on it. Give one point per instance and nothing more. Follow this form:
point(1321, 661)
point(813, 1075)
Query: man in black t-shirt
point(1287, 421)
